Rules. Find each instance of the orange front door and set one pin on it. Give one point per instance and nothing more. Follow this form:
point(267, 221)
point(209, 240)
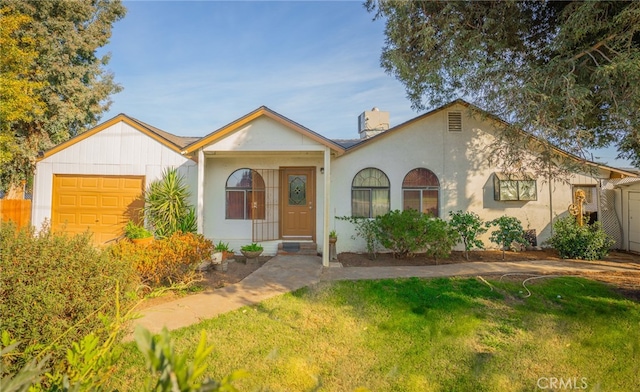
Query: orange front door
point(298, 199)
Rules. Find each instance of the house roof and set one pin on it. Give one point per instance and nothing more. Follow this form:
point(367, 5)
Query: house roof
point(262, 111)
point(181, 141)
point(173, 142)
point(187, 145)
point(346, 143)
point(358, 144)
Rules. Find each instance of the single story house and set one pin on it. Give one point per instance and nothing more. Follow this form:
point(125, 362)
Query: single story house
point(265, 178)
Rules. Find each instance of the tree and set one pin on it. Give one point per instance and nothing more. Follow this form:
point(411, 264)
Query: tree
point(567, 73)
point(469, 227)
point(68, 83)
point(18, 78)
point(509, 233)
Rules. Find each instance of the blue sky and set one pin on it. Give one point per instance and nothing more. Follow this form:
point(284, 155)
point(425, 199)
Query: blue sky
point(190, 67)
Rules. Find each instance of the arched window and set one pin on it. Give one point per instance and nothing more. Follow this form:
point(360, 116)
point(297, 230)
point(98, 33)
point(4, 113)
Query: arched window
point(245, 195)
point(420, 191)
point(370, 193)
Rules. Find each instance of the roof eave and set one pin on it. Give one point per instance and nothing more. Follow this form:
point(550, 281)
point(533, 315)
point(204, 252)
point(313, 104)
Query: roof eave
point(260, 112)
point(138, 125)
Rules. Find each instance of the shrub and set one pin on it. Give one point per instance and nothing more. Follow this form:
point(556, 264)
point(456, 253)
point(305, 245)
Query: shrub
point(166, 206)
point(572, 241)
point(403, 232)
point(469, 226)
point(56, 288)
point(133, 231)
point(168, 261)
point(89, 366)
point(440, 238)
point(365, 228)
point(508, 234)
point(170, 371)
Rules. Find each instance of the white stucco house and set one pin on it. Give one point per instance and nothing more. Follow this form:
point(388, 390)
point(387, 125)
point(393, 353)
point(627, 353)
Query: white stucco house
point(265, 178)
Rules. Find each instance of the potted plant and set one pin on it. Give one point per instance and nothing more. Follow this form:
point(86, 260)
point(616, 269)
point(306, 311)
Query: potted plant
point(137, 233)
point(223, 247)
point(222, 253)
point(251, 251)
point(333, 238)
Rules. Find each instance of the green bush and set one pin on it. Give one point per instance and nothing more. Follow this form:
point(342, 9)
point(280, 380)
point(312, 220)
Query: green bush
point(440, 238)
point(572, 241)
point(134, 231)
point(166, 205)
point(403, 232)
point(509, 233)
point(89, 366)
point(365, 228)
point(56, 288)
point(469, 227)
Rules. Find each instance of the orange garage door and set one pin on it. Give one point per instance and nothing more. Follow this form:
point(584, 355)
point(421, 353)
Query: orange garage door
point(103, 204)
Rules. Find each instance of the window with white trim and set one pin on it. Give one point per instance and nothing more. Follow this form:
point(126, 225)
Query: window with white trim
point(420, 191)
point(245, 195)
point(370, 193)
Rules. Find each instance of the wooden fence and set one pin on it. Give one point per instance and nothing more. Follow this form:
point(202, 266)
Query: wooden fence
point(18, 211)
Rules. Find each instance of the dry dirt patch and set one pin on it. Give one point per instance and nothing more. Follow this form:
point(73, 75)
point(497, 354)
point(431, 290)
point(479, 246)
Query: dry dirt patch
point(386, 259)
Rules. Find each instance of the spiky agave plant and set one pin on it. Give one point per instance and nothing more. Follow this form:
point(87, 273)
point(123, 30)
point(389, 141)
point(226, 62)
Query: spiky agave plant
point(166, 204)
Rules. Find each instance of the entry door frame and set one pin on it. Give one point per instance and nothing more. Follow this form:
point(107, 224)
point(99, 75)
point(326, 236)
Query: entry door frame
point(285, 209)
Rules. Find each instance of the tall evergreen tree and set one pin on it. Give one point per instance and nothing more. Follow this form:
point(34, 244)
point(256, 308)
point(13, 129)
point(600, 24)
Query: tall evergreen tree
point(566, 72)
point(72, 86)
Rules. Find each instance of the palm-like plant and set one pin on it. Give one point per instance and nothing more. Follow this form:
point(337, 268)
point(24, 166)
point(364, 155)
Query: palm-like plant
point(166, 205)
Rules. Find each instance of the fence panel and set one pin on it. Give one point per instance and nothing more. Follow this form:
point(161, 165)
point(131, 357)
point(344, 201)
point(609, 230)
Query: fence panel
point(18, 211)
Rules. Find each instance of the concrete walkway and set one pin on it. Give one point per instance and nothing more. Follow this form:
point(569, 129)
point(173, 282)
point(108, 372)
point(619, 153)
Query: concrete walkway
point(279, 275)
point(283, 274)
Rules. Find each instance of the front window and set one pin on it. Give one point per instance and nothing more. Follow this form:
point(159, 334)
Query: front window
point(514, 187)
point(370, 193)
point(420, 191)
point(245, 195)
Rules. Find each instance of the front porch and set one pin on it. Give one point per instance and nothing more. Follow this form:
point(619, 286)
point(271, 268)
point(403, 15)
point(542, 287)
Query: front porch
point(266, 179)
point(268, 200)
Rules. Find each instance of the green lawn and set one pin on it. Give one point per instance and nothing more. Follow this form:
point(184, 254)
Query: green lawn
point(423, 335)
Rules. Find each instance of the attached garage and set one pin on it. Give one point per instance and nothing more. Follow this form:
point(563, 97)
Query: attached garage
point(96, 180)
point(102, 204)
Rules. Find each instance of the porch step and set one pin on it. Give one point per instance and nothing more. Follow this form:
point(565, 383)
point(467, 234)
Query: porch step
point(298, 248)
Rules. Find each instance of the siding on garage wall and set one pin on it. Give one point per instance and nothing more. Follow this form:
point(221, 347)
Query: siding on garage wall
point(117, 150)
point(459, 161)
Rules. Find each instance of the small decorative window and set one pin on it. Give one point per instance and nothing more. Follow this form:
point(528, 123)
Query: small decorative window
point(370, 193)
point(514, 187)
point(454, 121)
point(245, 195)
point(420, 191)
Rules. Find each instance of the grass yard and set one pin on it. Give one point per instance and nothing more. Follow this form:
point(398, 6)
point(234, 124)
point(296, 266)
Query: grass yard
point(423, 335)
